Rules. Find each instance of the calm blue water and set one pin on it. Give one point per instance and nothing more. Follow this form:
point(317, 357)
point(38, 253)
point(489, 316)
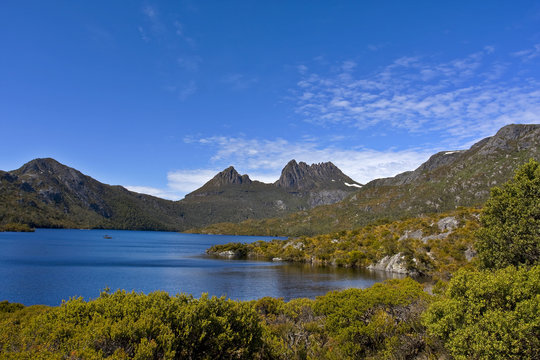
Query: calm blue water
point(50, 265)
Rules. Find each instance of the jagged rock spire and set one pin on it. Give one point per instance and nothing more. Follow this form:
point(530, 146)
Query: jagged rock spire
point(303, 176)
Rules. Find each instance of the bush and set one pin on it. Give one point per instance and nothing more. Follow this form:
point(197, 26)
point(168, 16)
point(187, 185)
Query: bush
point(489, 315)
point(137, 326)
point(380, 322)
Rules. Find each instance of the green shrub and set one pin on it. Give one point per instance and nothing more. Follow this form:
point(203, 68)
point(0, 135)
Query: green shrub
point(380, 322)
point(489, 315)
point(137, 326)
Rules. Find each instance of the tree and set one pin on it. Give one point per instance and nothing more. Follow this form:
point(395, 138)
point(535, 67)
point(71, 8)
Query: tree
point(510, 233)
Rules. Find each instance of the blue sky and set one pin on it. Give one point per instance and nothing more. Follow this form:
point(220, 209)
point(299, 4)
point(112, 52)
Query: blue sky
point(159, 96)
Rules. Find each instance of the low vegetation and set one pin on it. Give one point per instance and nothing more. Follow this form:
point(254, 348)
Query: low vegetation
point(16, 227)
point(381, 321)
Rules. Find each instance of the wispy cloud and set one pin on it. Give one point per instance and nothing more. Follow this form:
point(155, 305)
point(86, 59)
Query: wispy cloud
point(189, 62)
point(179, 31)
point(143, 34)
point(152, 16)
point(150, 12)
point(158, 26)
point(239, 81)
point(187, 90)
point(164, 33)
point(264, 159)
point(459, 99)
point(528, 54)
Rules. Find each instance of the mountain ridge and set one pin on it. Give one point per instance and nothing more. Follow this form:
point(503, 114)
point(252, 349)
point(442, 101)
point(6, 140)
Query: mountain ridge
point(305, 200)
point(446, 181)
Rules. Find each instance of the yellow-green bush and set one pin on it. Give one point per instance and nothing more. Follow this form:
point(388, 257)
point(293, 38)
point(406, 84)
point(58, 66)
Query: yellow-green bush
point(489, 315)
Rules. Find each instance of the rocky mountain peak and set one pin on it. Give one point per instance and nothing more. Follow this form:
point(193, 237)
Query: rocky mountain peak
point(49, 168)
point(229, 176)
point(303, 176)
point(40, 166)
point(519, 136)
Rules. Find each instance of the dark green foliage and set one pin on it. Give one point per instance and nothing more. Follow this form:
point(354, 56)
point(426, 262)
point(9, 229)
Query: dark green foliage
point(489, 315)
point(511, 221)
point(15, 227)
point(7, 307)
point(481, 316)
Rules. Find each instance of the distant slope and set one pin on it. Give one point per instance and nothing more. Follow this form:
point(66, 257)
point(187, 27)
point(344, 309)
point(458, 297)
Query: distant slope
point(45, 193)
point(446, 181)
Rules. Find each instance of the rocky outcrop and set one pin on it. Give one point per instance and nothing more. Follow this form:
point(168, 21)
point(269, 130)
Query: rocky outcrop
point(447, 224)
point(509, 137)
point(395, 264)
point(470, 253)
point(412, 234)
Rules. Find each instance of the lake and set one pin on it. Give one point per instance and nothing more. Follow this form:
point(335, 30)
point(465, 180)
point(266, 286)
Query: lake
point(49, 265)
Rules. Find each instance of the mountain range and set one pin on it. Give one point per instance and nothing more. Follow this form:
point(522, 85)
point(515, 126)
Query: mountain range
point(46, 193)
point(306, 199)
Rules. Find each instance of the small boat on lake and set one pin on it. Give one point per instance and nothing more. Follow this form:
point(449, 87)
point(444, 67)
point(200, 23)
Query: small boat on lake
point(107, 237)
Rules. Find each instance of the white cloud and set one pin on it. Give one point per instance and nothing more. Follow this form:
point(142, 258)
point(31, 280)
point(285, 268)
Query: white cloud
point(161, 193)
point(264, 159)
point(457, 99)
point(179, 183)
point(528, 54)
point(187, 90)
point(185, 181)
